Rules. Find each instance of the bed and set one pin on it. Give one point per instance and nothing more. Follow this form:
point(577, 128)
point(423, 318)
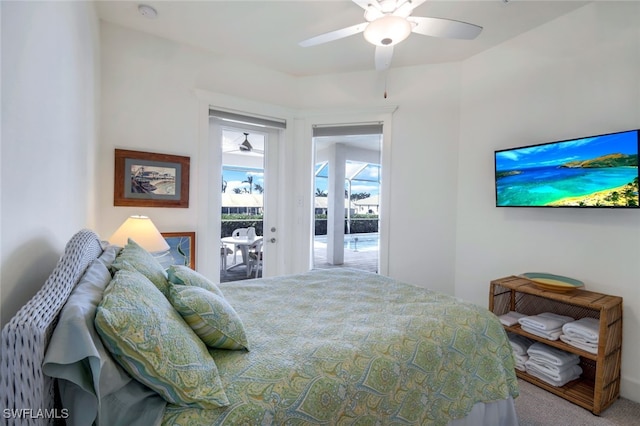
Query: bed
point(330, 347)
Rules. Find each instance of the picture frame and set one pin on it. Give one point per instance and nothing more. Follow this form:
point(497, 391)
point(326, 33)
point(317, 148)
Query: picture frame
point(182, 249)
point(146, 179)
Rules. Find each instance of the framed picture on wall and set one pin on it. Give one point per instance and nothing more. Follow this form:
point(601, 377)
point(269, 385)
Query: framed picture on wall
point(182, 249)
point(145, 179)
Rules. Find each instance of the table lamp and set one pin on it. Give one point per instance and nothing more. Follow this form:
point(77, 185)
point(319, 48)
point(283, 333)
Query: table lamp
point(141, 230)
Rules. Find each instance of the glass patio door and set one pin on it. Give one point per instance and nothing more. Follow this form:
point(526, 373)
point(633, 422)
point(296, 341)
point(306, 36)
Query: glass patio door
point(248, 171)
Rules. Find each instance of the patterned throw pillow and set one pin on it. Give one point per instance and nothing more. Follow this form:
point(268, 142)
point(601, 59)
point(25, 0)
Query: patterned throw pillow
point(184, 275)
point(152, 342)
point(134, 258)
point(211, 317)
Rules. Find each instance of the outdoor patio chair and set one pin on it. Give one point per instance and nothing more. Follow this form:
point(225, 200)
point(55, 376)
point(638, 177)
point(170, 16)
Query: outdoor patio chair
point(224, 252)
point(238, 232)
point(254, 258)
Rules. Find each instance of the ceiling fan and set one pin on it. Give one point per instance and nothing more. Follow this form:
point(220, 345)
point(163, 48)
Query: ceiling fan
point(388, 22)
point(246, 146)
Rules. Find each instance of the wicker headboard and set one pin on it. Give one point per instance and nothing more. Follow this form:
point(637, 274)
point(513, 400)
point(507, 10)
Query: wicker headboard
point(26, 337)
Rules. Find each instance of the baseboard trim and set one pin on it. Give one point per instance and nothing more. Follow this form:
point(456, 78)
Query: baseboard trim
point(630, 389)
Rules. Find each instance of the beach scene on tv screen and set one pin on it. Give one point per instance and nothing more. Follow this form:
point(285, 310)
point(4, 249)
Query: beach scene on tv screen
point(599, 171)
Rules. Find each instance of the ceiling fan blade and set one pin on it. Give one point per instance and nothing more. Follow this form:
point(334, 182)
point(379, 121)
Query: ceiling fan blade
point(444, 28)
point(383, 57)
point(405, 8)
point(416, 3)
point(362, 3)
point(365, 4)
point(372, 9)
point(334, 35)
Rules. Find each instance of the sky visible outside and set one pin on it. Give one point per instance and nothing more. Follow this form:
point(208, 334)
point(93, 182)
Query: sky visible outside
point(558, 153)
point(236, 178)
point(367, 179)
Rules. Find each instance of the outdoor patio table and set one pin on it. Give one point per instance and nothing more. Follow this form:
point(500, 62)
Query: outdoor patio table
point(243, 243)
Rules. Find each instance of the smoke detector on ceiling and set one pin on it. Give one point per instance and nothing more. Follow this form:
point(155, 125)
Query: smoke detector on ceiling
point(147, 11)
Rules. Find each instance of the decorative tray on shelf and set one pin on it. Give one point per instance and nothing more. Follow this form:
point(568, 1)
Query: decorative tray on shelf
point(553, 282)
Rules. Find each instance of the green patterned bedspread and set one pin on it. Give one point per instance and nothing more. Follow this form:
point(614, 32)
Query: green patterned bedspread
point(344, 347)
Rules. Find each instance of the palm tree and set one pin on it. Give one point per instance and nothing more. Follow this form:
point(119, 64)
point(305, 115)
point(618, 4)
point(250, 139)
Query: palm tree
point(615, 196)
point(629, 192)
point(250, 182)
point(320, 193)
point(360, 196)
point(259, 188)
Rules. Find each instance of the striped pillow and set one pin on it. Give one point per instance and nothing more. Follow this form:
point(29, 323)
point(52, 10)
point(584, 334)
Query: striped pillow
point(210, 316)
point(179, 274)
point(150, 340)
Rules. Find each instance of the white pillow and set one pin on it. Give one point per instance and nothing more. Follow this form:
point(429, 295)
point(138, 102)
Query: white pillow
point(93, 387)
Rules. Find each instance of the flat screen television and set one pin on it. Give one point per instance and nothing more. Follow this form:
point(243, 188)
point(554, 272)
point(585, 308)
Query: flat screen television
point(594, 171)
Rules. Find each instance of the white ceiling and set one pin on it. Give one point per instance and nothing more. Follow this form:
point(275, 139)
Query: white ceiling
point(267, 32)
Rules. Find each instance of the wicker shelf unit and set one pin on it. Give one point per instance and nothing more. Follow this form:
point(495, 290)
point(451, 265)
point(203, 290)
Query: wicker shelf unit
point(599, 385)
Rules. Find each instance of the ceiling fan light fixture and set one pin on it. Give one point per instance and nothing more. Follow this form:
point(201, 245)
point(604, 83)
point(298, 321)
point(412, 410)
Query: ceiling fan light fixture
point(245, 145)
point(387, 31)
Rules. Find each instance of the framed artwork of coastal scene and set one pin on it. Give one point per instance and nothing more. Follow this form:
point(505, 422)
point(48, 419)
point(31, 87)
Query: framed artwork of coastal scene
point(145, 179)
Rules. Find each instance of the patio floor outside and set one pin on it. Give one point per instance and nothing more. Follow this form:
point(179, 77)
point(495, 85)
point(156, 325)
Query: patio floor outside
point(361, 254)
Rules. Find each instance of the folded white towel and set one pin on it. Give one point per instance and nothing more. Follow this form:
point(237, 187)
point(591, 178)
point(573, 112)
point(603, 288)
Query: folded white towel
point(520, 361)
point(549, 335)
point(519, 343)
point(511, 318)
point(521, 358)
point(545, 321)
point(549, 368)
point(586, 328)
point(552, 372)
point(560, 380)
point(550, 355)
point(580, 343)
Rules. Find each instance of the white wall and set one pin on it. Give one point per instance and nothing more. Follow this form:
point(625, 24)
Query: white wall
point(50, 92)
point(573, 76)
point(422, 163)
point(153, 100)
point(150, 104)
point(576, 76)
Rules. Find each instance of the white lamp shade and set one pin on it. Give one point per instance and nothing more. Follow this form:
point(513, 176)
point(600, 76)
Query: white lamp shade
point(141, 230)
point(387, 31)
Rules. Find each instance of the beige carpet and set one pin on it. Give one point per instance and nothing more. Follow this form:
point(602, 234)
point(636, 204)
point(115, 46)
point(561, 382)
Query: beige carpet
point(537, 407)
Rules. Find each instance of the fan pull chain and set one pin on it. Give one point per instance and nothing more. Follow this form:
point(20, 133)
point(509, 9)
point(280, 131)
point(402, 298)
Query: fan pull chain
point(385, 85)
